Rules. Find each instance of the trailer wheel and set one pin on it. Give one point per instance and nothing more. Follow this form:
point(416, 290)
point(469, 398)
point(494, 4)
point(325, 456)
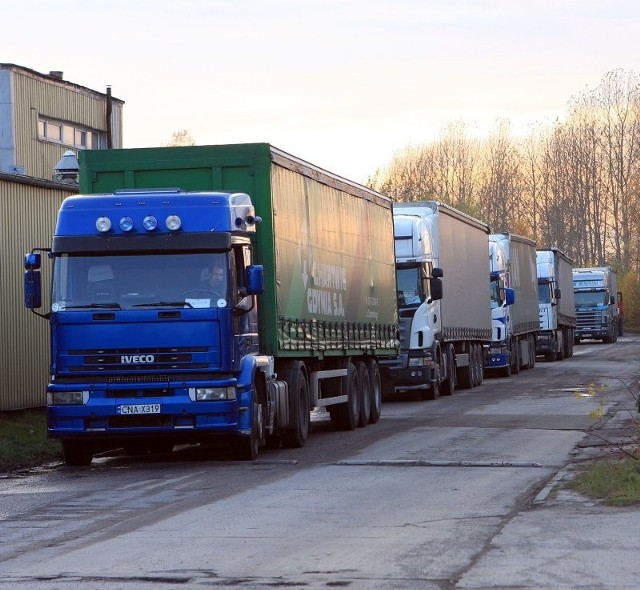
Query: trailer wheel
point(376, 391)
point(296, 435)
point(465, 374)
point(246, 448)
point(345, 416)
point(76, 453)
point(365, 394)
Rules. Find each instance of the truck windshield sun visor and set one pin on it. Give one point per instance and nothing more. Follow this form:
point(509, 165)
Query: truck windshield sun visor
point(147, 243)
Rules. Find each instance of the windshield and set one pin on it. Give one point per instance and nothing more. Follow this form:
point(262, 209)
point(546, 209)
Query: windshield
point(544, 293)
point(138, 281)
point(591, 298)
point(409, 286)
point(496, 294)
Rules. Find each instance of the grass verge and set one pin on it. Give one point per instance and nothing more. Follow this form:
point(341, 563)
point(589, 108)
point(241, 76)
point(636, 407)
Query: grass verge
point(23, 440)
point(615, 483)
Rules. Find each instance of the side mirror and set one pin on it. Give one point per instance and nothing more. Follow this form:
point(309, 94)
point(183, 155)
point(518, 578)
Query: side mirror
point(32, 280)
point(437, 273)
point(509, 296)
point(255, 279)
point(435, 287)
point(32, 289)
point(612, 300)
point(557, 293)
point(32, 261)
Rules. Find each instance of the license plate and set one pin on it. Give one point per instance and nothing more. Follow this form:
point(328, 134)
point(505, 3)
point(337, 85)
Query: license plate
point(135, 409)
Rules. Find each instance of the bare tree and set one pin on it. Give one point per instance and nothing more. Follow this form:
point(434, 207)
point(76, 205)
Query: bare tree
point(180, 138)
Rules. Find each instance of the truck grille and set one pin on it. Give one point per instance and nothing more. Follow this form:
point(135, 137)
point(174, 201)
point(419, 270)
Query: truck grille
point(589, 319)
point(134, 360)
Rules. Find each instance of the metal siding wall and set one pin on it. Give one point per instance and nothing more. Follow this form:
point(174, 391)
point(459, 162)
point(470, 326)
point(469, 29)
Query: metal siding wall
point(28, 220)
point(34, 96)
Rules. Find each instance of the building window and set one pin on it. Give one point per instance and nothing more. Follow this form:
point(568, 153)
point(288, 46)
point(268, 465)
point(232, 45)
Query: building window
point(74, 136)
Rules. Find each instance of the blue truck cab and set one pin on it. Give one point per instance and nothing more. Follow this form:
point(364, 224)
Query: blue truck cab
point(146, 351)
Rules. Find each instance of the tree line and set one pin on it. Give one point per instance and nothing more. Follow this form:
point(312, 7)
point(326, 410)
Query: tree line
point(573, 184)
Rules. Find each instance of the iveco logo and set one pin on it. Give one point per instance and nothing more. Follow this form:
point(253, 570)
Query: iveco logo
point(136, 359)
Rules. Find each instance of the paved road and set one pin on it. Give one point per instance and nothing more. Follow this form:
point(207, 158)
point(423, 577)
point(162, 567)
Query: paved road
point(461, 492)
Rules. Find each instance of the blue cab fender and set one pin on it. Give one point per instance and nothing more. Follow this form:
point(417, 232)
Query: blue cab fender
point(246, 391)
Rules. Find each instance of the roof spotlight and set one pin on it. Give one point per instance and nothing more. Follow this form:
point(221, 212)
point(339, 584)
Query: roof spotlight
point(150, 223)
point(126, 223)
point(173, 223)
point(103, 224)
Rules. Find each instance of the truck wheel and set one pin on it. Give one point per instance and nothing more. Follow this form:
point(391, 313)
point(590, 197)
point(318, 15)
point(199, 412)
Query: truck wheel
point(365, 394)
point(76, 453)
point(515, 357)
point(433, 391)
point(296, 435)
point(464, 374)
point(345, 416)
point(531, 343)
point(477, 357)
point(480, 361)
point(375, 384)
point(246, 448)
point(448, 385)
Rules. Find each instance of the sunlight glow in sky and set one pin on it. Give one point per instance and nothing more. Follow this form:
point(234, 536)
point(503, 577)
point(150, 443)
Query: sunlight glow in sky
point(344, 84)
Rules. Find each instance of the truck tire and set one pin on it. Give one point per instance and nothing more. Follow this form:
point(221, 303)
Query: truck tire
point(365, 394)
point(448, 384)
point(479, 364)
point(433, 391)
point(531, 342)
point(376, 391)
point(464, 374)
point(296, 435)
point(76, 453)
point(246, 448)
point(560, 352)
point(515, 357)
point(345, 416)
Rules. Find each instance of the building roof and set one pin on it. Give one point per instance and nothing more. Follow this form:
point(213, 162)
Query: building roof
point(54, 77)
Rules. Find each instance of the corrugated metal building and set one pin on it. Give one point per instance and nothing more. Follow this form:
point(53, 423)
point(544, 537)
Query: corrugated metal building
point(41, 117)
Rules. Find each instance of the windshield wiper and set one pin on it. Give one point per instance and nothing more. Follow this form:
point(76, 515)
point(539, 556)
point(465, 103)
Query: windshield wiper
point(95, 306)
point(163, 304)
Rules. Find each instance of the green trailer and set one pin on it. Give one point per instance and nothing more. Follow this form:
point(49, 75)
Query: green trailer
point(328, 313)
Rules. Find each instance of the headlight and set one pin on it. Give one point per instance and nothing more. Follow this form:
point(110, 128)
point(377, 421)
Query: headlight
point(419, 361)
point(58, 398)
point(208, 394)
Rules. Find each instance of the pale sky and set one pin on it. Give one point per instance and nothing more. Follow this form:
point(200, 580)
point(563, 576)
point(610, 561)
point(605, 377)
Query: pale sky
point(344, 84)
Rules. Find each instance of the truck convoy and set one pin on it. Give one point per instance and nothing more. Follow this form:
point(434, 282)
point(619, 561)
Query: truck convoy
point(557, 308)
point(597, 312)
point(444, 323)
point(153, 345)
point(514, 303)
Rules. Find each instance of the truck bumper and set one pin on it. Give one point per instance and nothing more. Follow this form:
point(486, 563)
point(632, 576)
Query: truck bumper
point(602, 332)
point(405, 377)
point(177, 418)
point(546, 343)
point(496, 360)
